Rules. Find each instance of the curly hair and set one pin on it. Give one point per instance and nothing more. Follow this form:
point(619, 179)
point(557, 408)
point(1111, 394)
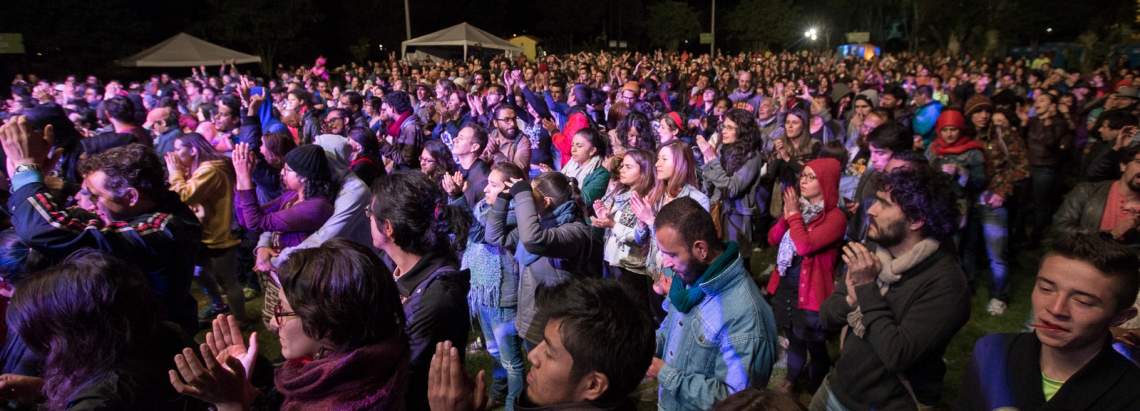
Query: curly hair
point(747, 143)
point(417, 208)
point(342, 291)
point(646, 138)
point(924, 194)
point(132, 166)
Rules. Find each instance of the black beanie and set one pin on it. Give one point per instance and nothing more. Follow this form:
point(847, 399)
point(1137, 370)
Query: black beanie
point(399, 101)
point(309, 161)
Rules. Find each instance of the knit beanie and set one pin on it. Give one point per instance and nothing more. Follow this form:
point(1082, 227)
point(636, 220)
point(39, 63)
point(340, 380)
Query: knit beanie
point(309, 161)
point(951, 118)
point(399, 101)
point(978, 102)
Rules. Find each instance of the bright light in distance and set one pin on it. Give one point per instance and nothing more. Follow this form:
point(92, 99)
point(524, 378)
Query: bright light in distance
point(1049, 29)
point(812, 34)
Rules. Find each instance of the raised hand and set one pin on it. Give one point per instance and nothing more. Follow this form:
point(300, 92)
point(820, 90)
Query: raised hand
point(642, 210)
point(226, 341)
point(172, 164)
point(791, 203)
point(243, 161)
point(603, 219)
point(25, 145)
point(707, 150)
point(449, 386)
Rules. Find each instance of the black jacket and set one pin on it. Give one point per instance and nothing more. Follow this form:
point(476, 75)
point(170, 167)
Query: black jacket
point(906, 332)
point(1005, 371)
point(163, 243)
point(435, 303)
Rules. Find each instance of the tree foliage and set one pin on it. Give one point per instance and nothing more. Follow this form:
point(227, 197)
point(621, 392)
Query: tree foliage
point(264, 26)
point(753, 24)
point(671, 22)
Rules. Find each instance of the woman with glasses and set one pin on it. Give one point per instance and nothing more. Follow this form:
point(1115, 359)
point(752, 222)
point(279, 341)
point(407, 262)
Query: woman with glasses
point(808, 235)
point(437, 161)
point(342, 332)
point(303, 207)
point(421, 235)
point(732, 172)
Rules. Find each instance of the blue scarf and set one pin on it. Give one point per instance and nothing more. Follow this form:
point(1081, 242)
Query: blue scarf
point(684, 299)
point(562, 215)
point(484, 261)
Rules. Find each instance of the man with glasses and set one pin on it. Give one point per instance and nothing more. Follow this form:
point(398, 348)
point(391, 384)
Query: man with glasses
point(507, 143)
point(336, 122)
point(1108, 206)
point(630, 94)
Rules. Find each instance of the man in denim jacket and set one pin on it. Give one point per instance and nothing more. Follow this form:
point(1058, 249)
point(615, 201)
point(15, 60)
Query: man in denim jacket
point(720, 335)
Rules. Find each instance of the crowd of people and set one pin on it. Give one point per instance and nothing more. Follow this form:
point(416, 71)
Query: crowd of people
point(599, 219)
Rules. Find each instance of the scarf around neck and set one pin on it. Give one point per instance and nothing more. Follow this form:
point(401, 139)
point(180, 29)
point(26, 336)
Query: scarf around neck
point(485, 262)
point(893, 267)
point(684, 299)
point(394, 128)
point(787, 252)
point(581, 171)
point(562, 215)
point(964, 144)
point(372, 377)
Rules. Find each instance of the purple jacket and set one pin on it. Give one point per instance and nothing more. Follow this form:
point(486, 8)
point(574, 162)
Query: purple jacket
point(292, 225)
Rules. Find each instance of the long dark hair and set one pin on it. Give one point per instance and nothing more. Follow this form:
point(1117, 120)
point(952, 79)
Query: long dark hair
point(84, 317)
point(416, 207)
point(747, 141)
point(366, 139)
point(561, 189)
point(342, 291)
point(278, 145)
point(646, 138)
point(444, 160)
point(207, 152)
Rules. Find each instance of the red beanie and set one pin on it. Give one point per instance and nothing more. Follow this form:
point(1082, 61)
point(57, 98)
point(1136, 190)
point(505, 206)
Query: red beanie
point(950, 118)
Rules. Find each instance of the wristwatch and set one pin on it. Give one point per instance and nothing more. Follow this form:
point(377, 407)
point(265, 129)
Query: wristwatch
point(27, 167)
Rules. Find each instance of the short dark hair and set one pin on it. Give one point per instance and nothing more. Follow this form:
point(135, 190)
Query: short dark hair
point(925, 91)
point(911, 156)
point(886, 114)
point(134, 165)
point(479, 135)
point(231, 101)
point(892, 136)
point(691, 221)
point(509, 170)
point(342, 291)
point(924, 194)
point(1128, 153)
point(1116, 261)
point(1117, 119)
point(601, 333)
point(354, 99)
point(120, 108)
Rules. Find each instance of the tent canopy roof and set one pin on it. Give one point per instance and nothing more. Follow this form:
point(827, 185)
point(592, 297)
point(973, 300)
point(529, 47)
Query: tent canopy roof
point(462, 34)
point(184, 50)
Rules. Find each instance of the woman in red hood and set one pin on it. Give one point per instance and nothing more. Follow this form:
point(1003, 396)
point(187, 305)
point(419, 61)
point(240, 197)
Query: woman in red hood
point(960, 156)
point(809, 236)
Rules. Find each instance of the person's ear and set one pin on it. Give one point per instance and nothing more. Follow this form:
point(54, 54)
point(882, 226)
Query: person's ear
point(915, 225)
point(700, 250)
point(387, 228)
point(1123, 316)
point(132, 196)
point(593, 386)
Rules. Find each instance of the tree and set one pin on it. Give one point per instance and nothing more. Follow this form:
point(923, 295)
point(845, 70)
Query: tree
point(671, 22)
point(262, 25)
point(753, 24)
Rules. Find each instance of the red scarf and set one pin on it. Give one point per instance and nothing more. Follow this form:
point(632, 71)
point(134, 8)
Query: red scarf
point(394, 128)
point(372, 377)
point(963, 145)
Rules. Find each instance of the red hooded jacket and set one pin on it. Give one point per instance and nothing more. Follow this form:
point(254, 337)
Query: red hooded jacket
point(818, 243)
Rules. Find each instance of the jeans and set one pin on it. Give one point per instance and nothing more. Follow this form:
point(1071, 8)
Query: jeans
point(505, 347)
point(1042, 184)
point(221, 265)
point(824, 399)
point(992, 226)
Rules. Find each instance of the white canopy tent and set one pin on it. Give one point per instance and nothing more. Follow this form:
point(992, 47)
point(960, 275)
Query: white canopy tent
point(447, 44)
point(184, 50)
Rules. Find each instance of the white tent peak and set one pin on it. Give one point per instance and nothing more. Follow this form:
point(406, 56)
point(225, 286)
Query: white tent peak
point(460, 35)
point(184, 50)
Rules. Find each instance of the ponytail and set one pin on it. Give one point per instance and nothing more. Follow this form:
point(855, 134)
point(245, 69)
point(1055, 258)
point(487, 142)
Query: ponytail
point(400, 199)
point(451, 221)
point(561, 189)
point(579, 202)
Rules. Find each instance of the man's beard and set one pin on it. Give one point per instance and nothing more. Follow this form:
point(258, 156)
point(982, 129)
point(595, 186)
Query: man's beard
point(509, 133)
point(892, 235)
point(694, 270)
point(1133, 184)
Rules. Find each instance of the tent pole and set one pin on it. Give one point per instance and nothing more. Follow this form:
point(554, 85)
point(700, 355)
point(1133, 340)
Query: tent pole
point(408, 19)
point(465, 51)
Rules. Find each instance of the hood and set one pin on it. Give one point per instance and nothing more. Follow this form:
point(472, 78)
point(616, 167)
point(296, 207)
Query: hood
point(827, 174)
point(336, 149)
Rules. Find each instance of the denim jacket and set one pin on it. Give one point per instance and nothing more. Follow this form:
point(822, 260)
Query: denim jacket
point(725, 344)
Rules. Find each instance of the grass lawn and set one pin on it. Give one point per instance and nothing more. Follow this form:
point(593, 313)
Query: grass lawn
point(1023, 270)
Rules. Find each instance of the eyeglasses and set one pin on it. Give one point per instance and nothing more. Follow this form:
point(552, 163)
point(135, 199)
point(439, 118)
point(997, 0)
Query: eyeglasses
point(330, 120)
point(427, 160)
point(808, 177)
point(279, 313)
point(722, 127)
point(506, 119)
point(368, 212)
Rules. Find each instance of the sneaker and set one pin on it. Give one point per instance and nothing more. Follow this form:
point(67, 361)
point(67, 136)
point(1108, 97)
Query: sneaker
point(476, 346)
point(210, 313)
point(996, 307)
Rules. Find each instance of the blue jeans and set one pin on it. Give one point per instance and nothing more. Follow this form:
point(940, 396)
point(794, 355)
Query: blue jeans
point(1042, 183)
point(824, 399)
point(991, 225)
point(505, 346)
